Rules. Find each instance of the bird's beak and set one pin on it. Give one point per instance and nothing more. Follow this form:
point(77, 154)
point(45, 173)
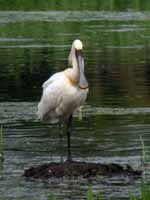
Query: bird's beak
point(83, 81)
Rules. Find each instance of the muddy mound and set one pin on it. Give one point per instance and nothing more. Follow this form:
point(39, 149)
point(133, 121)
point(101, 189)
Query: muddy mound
point(74, 168)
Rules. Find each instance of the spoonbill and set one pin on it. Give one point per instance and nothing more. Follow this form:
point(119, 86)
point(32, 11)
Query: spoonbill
point(65, 91)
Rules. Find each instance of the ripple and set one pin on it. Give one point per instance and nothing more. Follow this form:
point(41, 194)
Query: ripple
point(127, 47)
point(20, 16)
point(32, 46)
point(16, 111)
point(116, 111)
point(5, 39)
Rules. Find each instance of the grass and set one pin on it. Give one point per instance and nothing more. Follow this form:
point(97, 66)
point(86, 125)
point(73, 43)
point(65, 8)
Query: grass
point(1, 144)
point(144, 159)
point(90, 196)
point(144, 194)
point(144, 188)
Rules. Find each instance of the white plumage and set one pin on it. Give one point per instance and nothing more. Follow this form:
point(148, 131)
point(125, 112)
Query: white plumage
point(62, 95)
point(65, 91)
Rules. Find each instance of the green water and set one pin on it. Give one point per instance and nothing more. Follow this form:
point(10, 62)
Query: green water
point(35, 40)
point(112, 5)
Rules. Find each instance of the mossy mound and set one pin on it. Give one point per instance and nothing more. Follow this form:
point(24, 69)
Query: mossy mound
point(74, 168)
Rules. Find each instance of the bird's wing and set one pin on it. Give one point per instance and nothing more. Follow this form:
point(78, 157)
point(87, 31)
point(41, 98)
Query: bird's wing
point(53, 78)
point(51, 96)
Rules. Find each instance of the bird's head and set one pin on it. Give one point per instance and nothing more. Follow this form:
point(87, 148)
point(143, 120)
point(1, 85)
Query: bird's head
point(76, 51)
point(77, 44)
point(76, 58)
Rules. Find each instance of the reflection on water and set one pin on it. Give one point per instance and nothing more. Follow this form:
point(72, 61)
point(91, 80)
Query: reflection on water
point(76, 5)
point(71, 16)
point(27, 142)
point(116, 49)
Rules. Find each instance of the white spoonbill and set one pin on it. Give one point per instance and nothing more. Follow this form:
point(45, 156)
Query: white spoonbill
point(64, 92)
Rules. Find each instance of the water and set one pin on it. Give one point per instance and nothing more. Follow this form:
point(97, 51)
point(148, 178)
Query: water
point(36, 44)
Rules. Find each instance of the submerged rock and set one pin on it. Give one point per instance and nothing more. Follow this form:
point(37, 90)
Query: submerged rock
point(74, 168)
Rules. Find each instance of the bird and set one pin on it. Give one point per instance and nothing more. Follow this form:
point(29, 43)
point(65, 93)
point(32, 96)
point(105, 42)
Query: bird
point(64, 92)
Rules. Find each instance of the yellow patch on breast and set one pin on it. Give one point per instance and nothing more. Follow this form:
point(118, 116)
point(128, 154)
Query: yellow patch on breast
point(73, 82)
point(70, 80)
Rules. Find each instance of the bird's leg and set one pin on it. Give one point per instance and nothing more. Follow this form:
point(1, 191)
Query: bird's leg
point(61, 140)
point(69, 123)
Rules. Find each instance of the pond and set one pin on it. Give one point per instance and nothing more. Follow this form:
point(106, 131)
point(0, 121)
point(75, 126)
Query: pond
point(35, 40)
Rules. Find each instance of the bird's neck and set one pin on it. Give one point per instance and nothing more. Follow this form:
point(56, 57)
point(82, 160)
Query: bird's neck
point(75, 72)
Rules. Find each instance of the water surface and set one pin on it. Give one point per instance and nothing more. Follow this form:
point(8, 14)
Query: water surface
point(34, 45)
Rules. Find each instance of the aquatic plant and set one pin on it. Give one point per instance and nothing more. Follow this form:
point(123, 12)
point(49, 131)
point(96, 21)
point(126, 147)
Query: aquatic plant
point(144, 192)
point(89, 194)
point(52, 197)
point(1, 143)
point(144, 159)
